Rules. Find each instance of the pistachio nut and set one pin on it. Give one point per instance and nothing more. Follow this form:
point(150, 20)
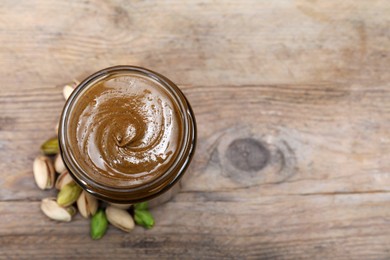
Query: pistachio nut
point(99, 224)
point(121, 206)
point(68, 194)
point(143, 218)
point(71, 210)
point(87, 204)
point(141, 205)
point(44, 174)
point(62, 180)
point(50, 146)
point(120, 218)
point(54, 211)
point(59, 165)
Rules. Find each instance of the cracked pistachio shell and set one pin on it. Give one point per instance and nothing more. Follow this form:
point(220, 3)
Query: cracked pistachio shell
point(59, 165)
point(54, 211)
point(44, 173)
point(67, 91)
point(62, 180)
point(69, 88)
point(120, 218)
point(87, 204)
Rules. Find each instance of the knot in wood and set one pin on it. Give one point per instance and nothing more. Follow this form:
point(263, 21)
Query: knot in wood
point(247, 154)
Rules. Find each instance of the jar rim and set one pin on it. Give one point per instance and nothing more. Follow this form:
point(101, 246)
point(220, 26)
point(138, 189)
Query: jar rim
point(145, 191)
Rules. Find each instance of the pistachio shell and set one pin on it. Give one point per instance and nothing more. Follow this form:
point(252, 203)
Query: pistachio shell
point(120, 218)
point(51, 209)
point(87, 204)
point(59, 164)
point(121, 206)
point(50, 146)
point(67, 91)
point(71, 210)
point(44, 174)
point(57, 126)
point(92, 203)
point(82, 205)
point(68, 194)
point(62, 180)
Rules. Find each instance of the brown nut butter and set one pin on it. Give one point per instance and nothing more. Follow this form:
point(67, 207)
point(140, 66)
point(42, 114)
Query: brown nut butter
point(127, 134)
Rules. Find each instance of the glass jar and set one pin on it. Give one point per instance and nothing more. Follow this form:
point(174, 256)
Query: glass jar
point(127, 134)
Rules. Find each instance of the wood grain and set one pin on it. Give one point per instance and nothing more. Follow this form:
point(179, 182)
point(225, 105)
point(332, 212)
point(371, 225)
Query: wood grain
point(292, 104)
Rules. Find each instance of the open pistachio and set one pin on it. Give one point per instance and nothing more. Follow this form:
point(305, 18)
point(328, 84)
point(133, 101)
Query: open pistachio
point(120, 218)
point(54, 211)
point(99, 224)
point(87, 204)
point(121, 206)
point(44, 174)
point(50, 146)
point(59, 164)
point(68, 194)
point(62, 180)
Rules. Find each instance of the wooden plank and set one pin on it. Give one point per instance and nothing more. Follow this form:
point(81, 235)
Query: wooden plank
point(291, 100)
point(204, 225)
point(198, 43)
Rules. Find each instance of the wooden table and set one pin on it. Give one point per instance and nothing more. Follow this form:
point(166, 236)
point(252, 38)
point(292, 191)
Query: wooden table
point(292, 100)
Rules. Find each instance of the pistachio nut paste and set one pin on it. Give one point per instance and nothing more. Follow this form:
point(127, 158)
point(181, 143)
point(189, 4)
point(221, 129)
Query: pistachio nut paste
point(125, 130)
